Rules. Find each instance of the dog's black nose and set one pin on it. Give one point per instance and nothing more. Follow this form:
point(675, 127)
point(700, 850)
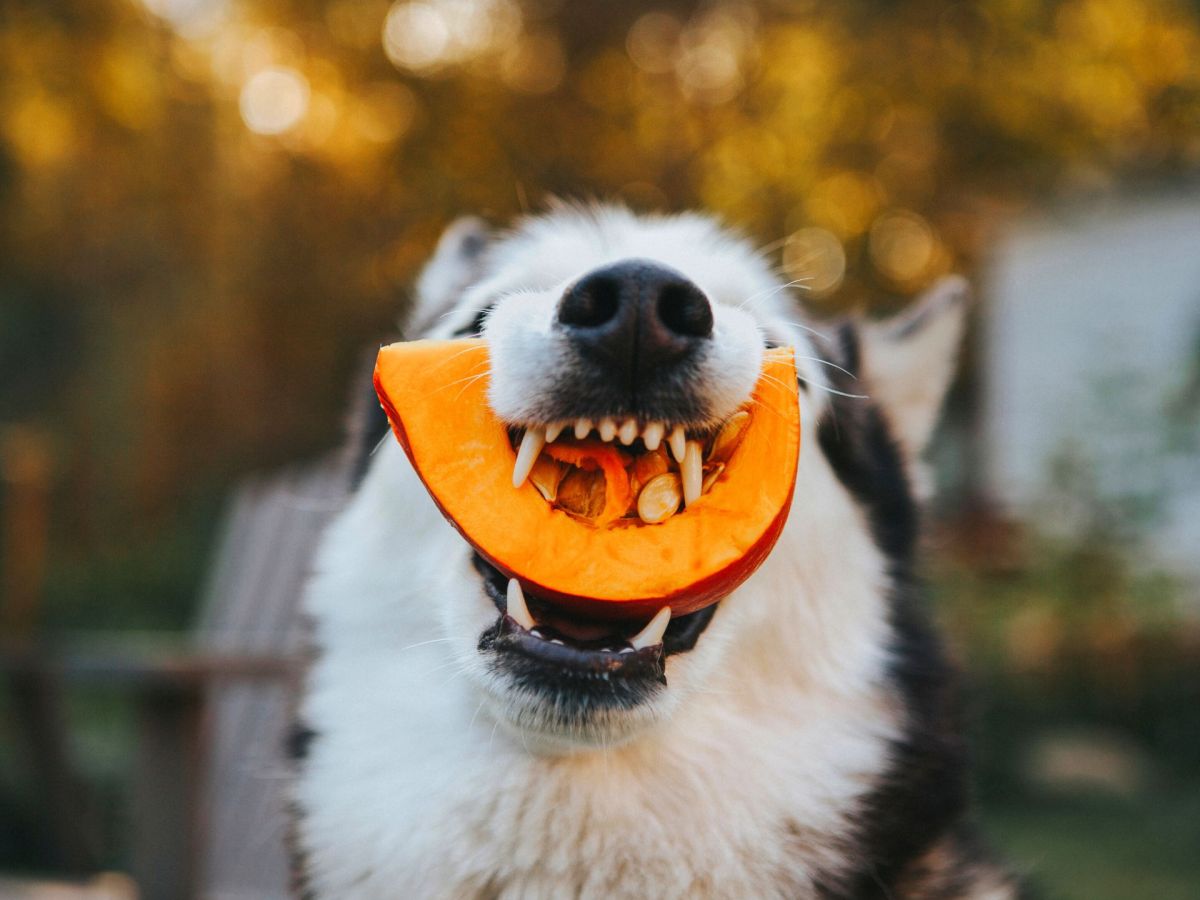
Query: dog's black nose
point(634, 317)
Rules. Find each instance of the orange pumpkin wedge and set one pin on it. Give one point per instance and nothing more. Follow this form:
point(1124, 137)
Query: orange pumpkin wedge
point(614, 567)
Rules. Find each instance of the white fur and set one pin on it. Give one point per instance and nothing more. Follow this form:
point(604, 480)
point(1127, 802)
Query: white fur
point(433, 778)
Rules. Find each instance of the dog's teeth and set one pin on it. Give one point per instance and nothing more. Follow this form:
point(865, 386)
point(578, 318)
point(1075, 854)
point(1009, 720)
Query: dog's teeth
point(653, 435)
point(582, 427)
point(553, 431)
point(628, 432)
point(518, 609)
point(678, 442)
point(653, 632)
point(691, 469)
point(625, 650)
point(556, 641)
point(607, 428)
point(527, 454)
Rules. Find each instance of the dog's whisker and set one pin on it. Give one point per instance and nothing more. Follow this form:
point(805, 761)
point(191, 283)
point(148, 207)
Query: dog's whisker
point(831, 365)
point(829, 390)
point(440, 640)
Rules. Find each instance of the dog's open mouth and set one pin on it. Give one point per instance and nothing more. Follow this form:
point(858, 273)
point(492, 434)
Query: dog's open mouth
point(628, 472)
point(546, 633)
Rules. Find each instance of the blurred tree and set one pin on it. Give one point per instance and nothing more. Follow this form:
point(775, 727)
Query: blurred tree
point(206, 206)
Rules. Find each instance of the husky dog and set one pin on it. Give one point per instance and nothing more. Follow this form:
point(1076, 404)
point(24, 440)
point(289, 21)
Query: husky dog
point(801, 738)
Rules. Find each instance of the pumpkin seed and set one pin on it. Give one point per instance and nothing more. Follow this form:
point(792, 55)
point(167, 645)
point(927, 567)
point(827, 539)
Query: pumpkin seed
point(729, 436)
point(646, 467)
point(546, 475)
point(660, 498)
point(582, 492)
point(712, 471)
point(691, 470)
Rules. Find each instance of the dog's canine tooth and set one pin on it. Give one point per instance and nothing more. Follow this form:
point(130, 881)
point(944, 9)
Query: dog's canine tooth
point(527, 454)
point(582, 427)
point(653, 632)
point(607, 429)
point(518, 609)
point(691, 469)
point(553, 431)
point(628, 432)
point(678, 442)
point(652, 435)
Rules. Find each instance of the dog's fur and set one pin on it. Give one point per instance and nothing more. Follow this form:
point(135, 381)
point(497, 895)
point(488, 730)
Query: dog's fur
point(809, 743)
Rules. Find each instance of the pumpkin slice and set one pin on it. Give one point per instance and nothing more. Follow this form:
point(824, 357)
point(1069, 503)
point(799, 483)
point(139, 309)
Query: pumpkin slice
point(614, 565)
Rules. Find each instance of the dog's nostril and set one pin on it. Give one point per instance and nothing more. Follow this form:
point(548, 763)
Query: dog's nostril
point(591, 302)
point(684, 309)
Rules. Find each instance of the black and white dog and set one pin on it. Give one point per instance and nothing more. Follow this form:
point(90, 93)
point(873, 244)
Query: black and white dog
point(806, 741)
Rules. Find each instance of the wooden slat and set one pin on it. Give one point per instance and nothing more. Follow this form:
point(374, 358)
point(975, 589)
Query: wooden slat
point(266, 554)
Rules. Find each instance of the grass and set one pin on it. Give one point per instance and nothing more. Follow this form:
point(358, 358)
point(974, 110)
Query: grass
point(1104, 848)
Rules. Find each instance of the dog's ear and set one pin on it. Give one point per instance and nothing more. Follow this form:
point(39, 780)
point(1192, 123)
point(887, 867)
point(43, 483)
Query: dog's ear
point(909, 361)
point(455, 265)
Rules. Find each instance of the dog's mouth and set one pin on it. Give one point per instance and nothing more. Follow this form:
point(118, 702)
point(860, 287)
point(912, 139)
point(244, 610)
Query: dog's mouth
point(624, 472)
point(547, 635)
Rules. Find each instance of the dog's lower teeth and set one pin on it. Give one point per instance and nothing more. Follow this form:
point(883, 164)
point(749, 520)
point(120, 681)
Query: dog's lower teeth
point(517, 608)
point(653, 632)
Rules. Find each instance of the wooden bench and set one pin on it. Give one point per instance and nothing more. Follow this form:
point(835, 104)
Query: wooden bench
point(208, 799)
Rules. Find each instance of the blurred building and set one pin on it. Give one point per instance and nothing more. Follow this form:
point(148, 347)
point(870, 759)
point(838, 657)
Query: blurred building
point(1091, 374)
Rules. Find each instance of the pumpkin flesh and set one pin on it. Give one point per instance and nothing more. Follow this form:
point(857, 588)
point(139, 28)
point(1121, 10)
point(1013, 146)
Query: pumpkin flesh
point(615, 567)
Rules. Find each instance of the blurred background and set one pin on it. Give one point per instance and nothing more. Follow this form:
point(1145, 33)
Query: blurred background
point(210, 209)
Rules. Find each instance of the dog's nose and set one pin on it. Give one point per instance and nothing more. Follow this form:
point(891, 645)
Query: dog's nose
point(635, 316)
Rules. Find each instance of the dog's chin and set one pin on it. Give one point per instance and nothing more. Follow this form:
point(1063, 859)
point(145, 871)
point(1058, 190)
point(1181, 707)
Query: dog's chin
point(572, 683)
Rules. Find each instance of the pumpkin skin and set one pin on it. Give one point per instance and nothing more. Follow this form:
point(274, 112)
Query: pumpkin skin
point(435, 396)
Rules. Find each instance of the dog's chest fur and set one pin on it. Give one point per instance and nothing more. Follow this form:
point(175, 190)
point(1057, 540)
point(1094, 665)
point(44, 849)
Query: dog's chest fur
point(755, 802)
point(751, 789)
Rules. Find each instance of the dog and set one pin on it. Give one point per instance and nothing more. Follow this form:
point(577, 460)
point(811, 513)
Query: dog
point(804, 738)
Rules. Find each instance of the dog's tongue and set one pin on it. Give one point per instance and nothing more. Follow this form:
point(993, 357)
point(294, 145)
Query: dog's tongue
point(436, 396)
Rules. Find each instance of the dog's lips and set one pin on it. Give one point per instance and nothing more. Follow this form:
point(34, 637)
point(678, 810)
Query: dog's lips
point(564, 639)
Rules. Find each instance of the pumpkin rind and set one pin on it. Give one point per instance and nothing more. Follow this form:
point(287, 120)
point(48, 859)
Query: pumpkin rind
point(435, 396)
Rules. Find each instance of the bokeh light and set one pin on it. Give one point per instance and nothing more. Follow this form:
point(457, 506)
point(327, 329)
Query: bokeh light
point(816, 260)
point(193, 18)
point(426, 35)
point(902, 247)
point(274, 100)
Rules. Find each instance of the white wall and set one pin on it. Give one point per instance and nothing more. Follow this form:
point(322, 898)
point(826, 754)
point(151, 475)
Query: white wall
point(1091, 331)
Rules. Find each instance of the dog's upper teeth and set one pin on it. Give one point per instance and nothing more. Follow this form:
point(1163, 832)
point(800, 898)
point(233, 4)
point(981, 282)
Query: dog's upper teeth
point(527, 454)
point(652, 435)
point(518, 610)
point(582, 427)
point(628, 432)
point(691, 469)
point(553, 431)
point(607, 428)
point(678, 442)
point(653, 632)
